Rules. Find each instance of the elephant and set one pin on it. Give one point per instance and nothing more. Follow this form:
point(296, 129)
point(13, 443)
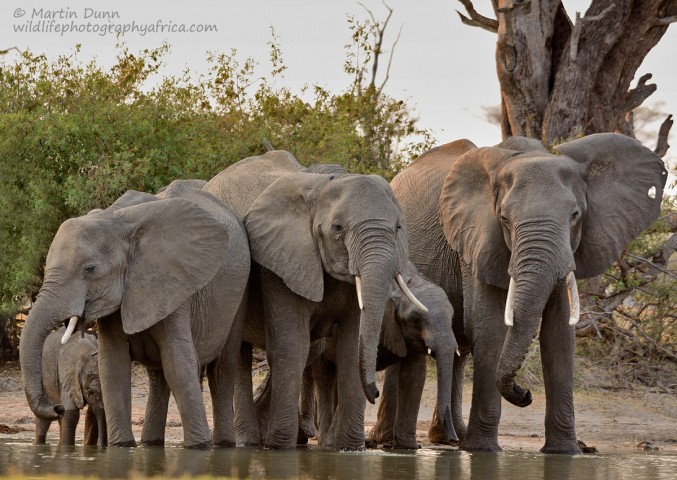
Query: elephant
point(164, 277)
point(502, 230)
point(407, 337)
point(326, 249)
point(71, 378)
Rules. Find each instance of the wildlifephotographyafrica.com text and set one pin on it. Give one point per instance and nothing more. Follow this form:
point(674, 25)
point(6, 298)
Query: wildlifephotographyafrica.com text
point(67, 20)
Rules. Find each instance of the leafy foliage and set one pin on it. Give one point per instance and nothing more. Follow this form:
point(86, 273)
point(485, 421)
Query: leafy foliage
point(76, 136)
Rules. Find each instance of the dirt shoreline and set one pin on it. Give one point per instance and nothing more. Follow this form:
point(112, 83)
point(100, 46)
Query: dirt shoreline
point(605, 419)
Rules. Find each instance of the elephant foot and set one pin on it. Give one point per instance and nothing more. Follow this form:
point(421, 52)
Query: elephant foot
point(395, 445)
point(568, 448)
point(224, 444)
point(381, 433)
point(160, 442)
point(199, 446)
point(438, 436)
point(480, 444)
point(124, 444)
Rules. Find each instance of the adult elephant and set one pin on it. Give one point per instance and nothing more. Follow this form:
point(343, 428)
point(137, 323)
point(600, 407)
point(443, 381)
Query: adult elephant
point(315, 239)
point(71, 378)
point(502, 229)
point(165, 277)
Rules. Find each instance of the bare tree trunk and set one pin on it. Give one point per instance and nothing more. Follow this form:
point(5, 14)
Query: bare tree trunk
point(560, 79)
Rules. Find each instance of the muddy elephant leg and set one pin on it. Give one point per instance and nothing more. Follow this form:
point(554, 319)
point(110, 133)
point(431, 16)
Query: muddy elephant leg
point(246, 426)
point(387, 408)
point(324, 376)
point(155, 417)
point(91, 427)
point(41, 429)
point(182, 372)
point(409, 392)
point(68, 424)
point(557, 340)
point(486, 330)
point(349, 434)
point(115, 372)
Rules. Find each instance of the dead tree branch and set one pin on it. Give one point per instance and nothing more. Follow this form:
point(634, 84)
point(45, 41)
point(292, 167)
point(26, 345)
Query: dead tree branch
point(390, 58)
point(641, 92)
point(662, 144)
point(578, 26)
point(474, 19)
point(6, 51)
point(378, 43)
point(666, 20)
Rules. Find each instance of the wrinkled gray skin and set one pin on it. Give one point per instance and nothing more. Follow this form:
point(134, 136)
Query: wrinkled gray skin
point(165, 277)
point(479, 216)
point(407, 335)
point(310, 234)
point(70, 376)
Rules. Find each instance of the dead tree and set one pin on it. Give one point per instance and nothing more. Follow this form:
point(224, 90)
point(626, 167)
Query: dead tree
point(561, 78)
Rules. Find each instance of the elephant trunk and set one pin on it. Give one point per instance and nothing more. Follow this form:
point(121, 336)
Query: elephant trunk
point(38, 325)
point(378, 265)
point(540, 258)
point(445, 375)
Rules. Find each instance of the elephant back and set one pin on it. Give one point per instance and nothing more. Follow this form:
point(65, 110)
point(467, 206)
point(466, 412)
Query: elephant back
point(418, 189)
point(241, 183)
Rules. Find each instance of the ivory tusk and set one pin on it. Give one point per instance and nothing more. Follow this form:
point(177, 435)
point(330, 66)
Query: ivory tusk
point(69, 329)
point(509, 304)
point(407, 292)
point(358, 287)
point(574, 301)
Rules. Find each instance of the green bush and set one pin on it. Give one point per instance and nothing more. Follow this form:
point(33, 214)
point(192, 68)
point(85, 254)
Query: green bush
point(76, 136)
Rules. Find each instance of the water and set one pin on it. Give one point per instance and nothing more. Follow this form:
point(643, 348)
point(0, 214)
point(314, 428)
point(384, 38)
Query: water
point(318, 463)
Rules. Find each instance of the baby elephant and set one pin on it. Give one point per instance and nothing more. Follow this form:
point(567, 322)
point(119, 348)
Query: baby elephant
point(71, 378)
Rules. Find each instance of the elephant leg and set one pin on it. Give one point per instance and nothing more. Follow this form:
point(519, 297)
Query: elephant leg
point(557, 339)
point(287, 327)
point(306, 408)
point(115, 372)
point(262, 404)
point(324, 377)
point(102, 426)
point(182, 372)
point(409, 392)
point(349, 433)
point(436, 433)
point(41, 429)
point(91, 427)
point(246, 426)
point(68, 424)
point(387, 409)
point(155, 417)
point(483, 314)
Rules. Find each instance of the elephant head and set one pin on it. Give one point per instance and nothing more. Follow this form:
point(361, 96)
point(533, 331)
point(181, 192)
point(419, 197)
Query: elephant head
point(407, 329)
point(304, 225)
point(143, 256)
point(525, 219)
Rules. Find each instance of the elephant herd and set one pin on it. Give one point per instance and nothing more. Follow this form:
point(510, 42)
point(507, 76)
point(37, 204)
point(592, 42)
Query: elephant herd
point(338, 275)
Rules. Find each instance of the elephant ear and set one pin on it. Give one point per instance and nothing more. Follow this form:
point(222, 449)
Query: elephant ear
point(522, 144)
point(176, 249)
point(279, 227)
point(625, 182)
point(392, 337)
point(468, 217)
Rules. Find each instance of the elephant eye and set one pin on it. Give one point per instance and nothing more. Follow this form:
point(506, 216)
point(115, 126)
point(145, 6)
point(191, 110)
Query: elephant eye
point(575, 215)
point(336, 228)
point(90, 269)
point(504, 219)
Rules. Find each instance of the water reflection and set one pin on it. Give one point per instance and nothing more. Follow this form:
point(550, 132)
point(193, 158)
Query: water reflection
point(313, 462)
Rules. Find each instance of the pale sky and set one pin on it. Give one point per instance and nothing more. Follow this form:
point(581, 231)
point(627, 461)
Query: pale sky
point(444, 69)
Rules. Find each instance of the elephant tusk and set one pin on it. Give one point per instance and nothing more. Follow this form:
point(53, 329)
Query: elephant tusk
point(69, 329)
point(407, 292)
point(574, 301)
point(509, 304)
point(358, 287)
